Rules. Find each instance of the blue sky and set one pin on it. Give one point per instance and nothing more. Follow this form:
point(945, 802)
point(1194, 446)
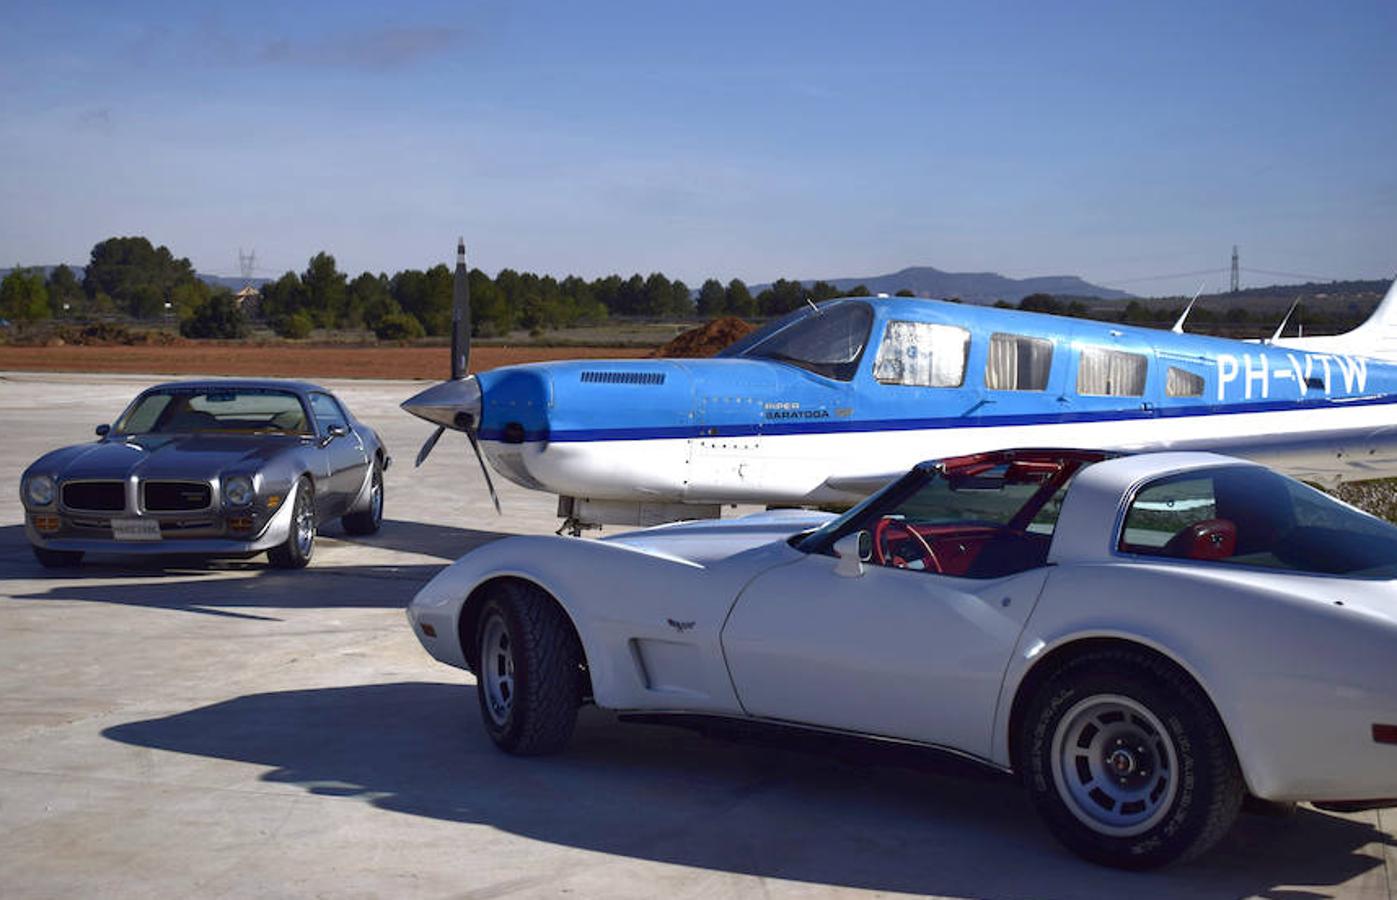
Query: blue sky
point(1118, 141)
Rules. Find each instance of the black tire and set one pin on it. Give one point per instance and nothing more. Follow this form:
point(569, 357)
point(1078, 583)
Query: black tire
point(544, 660)
point(367, 521)
point(57, 559)
point(295, 552)
point(1174, 812)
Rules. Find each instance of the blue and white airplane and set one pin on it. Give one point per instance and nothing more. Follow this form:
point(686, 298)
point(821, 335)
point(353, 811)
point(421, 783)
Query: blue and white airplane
point(832, 401)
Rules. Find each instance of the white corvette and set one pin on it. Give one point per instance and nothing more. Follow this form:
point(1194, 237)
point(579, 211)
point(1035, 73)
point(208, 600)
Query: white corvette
point(1144, 640)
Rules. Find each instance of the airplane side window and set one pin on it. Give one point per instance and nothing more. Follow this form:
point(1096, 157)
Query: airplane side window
point(922, 354)
point(1018, 363)
point(1183, 383)
point(1111, 373)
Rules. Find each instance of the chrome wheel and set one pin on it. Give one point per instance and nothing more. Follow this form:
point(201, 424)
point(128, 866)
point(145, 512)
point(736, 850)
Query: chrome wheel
point(1115, 765)
point(305, 524)
point(376, 496)
point(497, 670)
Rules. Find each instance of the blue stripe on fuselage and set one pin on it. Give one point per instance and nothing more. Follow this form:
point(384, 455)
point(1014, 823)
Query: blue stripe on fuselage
point(582, 435)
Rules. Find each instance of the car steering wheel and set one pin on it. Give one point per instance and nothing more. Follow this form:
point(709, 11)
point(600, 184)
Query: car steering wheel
point(888, 530)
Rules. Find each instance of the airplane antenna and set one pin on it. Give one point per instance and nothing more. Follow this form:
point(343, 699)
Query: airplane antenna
point(1281, 327)
point(1179, 325)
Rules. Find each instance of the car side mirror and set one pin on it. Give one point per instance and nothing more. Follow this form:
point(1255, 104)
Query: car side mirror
point(332, 432)
point(853, 550)
point(103, 430)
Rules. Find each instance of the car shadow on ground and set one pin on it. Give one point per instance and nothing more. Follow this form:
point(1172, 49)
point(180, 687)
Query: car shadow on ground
point(445, 542)
point(205, 586)
point(671, 796)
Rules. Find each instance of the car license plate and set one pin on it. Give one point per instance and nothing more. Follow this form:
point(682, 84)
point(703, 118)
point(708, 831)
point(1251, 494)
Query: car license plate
point(135, 529)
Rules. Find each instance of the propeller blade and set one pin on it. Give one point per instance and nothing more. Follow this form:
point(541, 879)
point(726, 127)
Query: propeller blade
point(475, 445)
point(460, 315)
point(429, 444)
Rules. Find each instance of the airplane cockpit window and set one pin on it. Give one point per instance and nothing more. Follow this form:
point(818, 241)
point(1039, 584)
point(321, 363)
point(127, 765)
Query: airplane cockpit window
point(828, 340)
point(1103, 372)
point(1018, 363)
point(1183, 383)
point(922, 354)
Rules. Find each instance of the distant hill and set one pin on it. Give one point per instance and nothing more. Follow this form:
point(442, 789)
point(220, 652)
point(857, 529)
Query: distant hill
point(1344, 298)
point(231, 282)
point(972, 287)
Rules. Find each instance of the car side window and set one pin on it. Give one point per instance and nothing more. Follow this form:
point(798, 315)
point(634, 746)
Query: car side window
point(989, 525)
point(1165, 509)
point(327, 412)
point(1247, 515)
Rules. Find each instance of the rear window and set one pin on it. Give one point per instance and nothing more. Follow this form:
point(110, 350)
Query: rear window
point(1248, 515)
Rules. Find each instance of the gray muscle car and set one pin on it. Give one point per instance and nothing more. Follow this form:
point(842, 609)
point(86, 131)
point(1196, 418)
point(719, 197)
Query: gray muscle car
point(213, 468)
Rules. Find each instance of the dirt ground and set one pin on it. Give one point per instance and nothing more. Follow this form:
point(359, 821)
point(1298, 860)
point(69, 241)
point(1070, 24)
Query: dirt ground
point(286, 361)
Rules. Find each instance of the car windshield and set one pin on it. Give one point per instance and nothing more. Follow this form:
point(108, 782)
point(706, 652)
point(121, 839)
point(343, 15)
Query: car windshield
point(1247, 515)
point(215, 409)
point(828, 340)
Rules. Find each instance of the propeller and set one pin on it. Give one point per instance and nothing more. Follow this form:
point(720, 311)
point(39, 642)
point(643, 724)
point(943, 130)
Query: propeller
point(457, 403)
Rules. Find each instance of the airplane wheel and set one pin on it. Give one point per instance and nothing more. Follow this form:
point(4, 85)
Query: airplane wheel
point(529, 678)
point(1128, 763)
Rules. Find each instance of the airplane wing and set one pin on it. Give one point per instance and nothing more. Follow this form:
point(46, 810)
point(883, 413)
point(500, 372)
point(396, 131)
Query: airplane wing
point(862, 485)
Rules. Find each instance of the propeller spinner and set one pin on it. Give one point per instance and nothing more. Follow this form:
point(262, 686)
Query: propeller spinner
point(455, 404)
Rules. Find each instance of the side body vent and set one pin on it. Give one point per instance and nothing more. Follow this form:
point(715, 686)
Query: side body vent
point(654, 378)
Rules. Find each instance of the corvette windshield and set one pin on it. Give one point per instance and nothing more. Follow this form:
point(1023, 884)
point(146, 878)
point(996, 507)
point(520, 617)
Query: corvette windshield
point(217, 410)
point(828, 340)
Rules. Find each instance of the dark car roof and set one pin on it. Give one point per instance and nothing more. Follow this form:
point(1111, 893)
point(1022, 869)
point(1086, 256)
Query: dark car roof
point(299, 387)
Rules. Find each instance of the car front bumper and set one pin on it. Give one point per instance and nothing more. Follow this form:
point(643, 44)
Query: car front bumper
point(276, 530)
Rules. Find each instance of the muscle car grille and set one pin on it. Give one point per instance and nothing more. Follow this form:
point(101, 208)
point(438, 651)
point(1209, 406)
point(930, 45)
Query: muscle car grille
point(177, 496)
point(100, 496)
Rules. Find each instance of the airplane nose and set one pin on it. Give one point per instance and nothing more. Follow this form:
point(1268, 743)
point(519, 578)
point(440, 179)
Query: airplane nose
point(442, 404)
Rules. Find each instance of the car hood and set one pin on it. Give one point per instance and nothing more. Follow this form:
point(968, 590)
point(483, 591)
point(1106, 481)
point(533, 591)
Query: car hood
point(165, 456)
point(709, 540)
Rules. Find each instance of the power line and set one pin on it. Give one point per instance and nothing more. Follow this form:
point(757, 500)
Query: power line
point(1194, 274)
point(1294, 275)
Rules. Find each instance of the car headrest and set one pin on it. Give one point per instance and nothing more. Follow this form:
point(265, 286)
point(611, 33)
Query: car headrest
point(1208, 539)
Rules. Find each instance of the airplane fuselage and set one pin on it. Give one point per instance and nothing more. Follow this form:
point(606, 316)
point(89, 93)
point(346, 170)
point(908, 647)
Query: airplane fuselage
point(897, 381)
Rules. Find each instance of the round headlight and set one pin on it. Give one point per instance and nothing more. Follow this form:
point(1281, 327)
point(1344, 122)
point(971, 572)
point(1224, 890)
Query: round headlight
point(238, 490)
point(40, 490)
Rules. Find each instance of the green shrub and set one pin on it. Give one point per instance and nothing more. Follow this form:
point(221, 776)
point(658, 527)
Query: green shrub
point(296, 326)
point(220, 317)
point(399, 326)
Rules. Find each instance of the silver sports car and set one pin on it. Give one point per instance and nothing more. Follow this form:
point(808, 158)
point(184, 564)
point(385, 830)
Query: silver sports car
point(214, 468)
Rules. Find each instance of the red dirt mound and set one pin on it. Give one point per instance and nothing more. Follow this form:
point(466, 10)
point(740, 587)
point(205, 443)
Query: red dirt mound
point(706, 340)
